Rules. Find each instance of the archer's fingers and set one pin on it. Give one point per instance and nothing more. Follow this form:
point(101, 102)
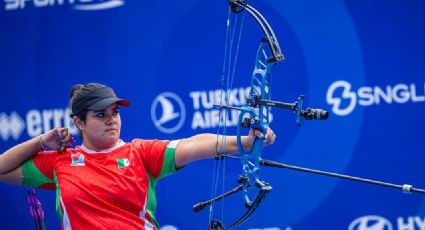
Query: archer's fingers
point(64, 139)
point(270, 137)
point(256, 133)
point(68, 140)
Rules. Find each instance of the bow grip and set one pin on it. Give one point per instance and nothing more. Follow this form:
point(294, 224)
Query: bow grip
point(257, 147)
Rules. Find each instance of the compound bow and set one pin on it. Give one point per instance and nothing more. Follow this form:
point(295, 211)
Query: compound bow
point(256, 115)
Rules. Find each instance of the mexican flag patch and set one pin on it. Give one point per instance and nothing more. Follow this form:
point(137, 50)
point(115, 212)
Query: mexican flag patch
point(122, 163)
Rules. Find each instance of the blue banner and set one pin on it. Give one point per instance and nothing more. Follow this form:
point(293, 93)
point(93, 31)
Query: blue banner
point(363, 61)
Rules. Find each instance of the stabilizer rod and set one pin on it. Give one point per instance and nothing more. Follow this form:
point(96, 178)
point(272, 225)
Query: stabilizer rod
point(406, 188)
point(201, 205)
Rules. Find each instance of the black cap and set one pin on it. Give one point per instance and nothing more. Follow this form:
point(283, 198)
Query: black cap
point(97, 100)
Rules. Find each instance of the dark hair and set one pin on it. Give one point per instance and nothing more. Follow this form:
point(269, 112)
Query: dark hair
point(77, 93)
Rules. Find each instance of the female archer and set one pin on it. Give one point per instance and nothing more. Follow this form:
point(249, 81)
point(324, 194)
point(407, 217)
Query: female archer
point(106, 183)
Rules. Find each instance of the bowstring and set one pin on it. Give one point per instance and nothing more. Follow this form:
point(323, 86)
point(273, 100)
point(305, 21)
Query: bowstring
point(228, 77)
point(219, 146)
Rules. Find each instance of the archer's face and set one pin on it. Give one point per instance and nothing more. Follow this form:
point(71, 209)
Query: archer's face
point(102, 128)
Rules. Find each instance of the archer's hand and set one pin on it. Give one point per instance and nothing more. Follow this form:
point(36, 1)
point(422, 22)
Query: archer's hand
point(269, 137)
point(57, 139)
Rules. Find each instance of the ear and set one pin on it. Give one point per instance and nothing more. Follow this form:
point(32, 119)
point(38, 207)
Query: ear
point(79, 123)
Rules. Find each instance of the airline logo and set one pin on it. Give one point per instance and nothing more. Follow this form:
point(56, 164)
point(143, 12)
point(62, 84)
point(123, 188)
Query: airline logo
point(168, 112)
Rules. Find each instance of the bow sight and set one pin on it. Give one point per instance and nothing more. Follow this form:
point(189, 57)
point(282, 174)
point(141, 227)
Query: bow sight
point(307, 114)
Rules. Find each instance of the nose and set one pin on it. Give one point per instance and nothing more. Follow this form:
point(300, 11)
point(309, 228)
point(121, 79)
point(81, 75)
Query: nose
point(111, 120)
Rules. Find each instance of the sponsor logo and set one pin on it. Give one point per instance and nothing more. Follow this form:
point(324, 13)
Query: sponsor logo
point(168, 112)
point(36, 122)
point(87, 5)
point(370, 223)
point(77, 159)
point(344, 99)
point(207, 116)
point(374, 222)
point(11, 126)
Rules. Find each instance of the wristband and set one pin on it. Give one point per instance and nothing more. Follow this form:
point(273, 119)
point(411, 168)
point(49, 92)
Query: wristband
point(41, 142)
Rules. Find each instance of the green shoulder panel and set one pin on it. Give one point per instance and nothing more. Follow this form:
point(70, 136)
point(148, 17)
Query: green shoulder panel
point(32, 176)
point(169, 167)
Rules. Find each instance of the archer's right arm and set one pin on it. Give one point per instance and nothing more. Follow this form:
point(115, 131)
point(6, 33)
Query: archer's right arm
point(12, 160)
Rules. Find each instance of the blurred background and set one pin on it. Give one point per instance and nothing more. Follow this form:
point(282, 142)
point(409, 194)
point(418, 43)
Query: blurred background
point(363, 61)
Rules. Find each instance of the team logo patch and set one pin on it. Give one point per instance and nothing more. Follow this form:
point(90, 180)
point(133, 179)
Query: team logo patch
point(77, 159)
point(122, 163)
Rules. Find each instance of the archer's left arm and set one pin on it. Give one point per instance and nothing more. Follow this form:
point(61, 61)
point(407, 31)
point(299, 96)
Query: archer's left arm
point(206, 145)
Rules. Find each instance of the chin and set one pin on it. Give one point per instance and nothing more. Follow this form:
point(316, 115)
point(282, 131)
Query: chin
point(115, 139)
point(111, 140)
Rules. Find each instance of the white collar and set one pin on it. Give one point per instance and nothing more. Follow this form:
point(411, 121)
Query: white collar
point(108, 150)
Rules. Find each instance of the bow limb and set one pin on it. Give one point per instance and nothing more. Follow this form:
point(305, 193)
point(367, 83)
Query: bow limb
point(238, 6)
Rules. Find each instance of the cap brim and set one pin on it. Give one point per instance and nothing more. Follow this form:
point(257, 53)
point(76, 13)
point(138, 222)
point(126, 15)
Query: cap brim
point(104, 103)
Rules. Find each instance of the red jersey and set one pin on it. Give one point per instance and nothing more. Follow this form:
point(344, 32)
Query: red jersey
point(111, 189)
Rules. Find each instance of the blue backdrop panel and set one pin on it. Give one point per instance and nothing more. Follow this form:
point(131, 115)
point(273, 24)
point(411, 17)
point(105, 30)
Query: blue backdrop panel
point(360, 60)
